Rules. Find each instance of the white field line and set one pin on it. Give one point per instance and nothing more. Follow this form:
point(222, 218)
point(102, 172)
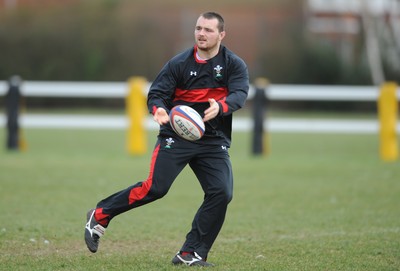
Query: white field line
point(65, 121)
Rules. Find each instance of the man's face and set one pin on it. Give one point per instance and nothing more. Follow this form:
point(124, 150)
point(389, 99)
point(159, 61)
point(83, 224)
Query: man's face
point(206, 34)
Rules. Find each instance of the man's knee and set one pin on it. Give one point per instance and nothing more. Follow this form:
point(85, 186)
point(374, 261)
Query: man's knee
point(158, 192)
point(224, 194)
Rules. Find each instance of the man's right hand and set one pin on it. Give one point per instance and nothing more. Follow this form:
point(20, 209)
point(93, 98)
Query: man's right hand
point(161, 116)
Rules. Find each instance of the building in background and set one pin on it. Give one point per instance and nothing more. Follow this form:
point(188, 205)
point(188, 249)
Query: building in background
point(346, 23)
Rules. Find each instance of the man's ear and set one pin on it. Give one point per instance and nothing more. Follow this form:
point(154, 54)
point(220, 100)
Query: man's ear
point(222, 35)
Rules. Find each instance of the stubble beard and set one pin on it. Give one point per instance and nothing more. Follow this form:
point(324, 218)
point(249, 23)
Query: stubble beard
point(207, 48)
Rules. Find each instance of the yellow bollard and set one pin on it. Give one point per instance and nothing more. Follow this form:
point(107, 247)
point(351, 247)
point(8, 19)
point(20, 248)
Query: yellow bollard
point(136, 110)
point(23, 143)
point(387, 110)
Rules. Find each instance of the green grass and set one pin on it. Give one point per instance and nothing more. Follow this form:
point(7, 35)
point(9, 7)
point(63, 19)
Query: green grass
point(315, 202)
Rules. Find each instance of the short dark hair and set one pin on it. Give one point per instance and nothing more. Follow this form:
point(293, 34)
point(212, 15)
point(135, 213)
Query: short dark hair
point(213, 15)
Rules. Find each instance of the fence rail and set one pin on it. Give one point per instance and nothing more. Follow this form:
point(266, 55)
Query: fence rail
point(120, 90)
point(274, 92)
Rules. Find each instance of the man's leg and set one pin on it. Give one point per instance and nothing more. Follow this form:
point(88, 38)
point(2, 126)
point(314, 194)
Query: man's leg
point(166, 164)
point(214, 171)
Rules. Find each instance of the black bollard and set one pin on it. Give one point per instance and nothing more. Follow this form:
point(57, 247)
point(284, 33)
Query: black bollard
point(260, 101)
point(13, 98)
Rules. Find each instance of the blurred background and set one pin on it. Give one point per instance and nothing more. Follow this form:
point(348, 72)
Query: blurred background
point(296, 42)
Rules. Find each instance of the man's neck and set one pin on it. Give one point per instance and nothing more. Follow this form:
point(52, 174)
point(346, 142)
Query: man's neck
point(205, 55)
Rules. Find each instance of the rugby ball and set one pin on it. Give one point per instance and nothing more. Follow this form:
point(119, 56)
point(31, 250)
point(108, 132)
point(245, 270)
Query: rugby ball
point(186, 122)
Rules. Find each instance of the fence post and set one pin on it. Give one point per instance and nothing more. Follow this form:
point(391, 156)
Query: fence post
point(260, 144)
point(387, 110)
point(136, 110)
point(13, 100)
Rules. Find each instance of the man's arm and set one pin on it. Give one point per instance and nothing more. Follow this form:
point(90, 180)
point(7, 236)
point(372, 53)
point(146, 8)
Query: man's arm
point(238, 87)
point(160, 96)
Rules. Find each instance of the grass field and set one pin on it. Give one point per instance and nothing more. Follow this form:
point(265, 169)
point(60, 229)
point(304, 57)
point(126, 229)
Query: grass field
point(316, 202)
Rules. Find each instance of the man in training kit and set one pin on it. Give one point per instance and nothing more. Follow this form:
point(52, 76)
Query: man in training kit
point(214, 81)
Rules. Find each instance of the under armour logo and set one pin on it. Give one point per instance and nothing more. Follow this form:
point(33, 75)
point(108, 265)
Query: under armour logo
point(223, 147)
point(192, 73)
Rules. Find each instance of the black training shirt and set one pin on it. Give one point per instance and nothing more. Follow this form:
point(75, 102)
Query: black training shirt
point(187, 80)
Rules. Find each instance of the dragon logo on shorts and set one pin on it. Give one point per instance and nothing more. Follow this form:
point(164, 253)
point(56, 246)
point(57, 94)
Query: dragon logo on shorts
point(169, 141)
